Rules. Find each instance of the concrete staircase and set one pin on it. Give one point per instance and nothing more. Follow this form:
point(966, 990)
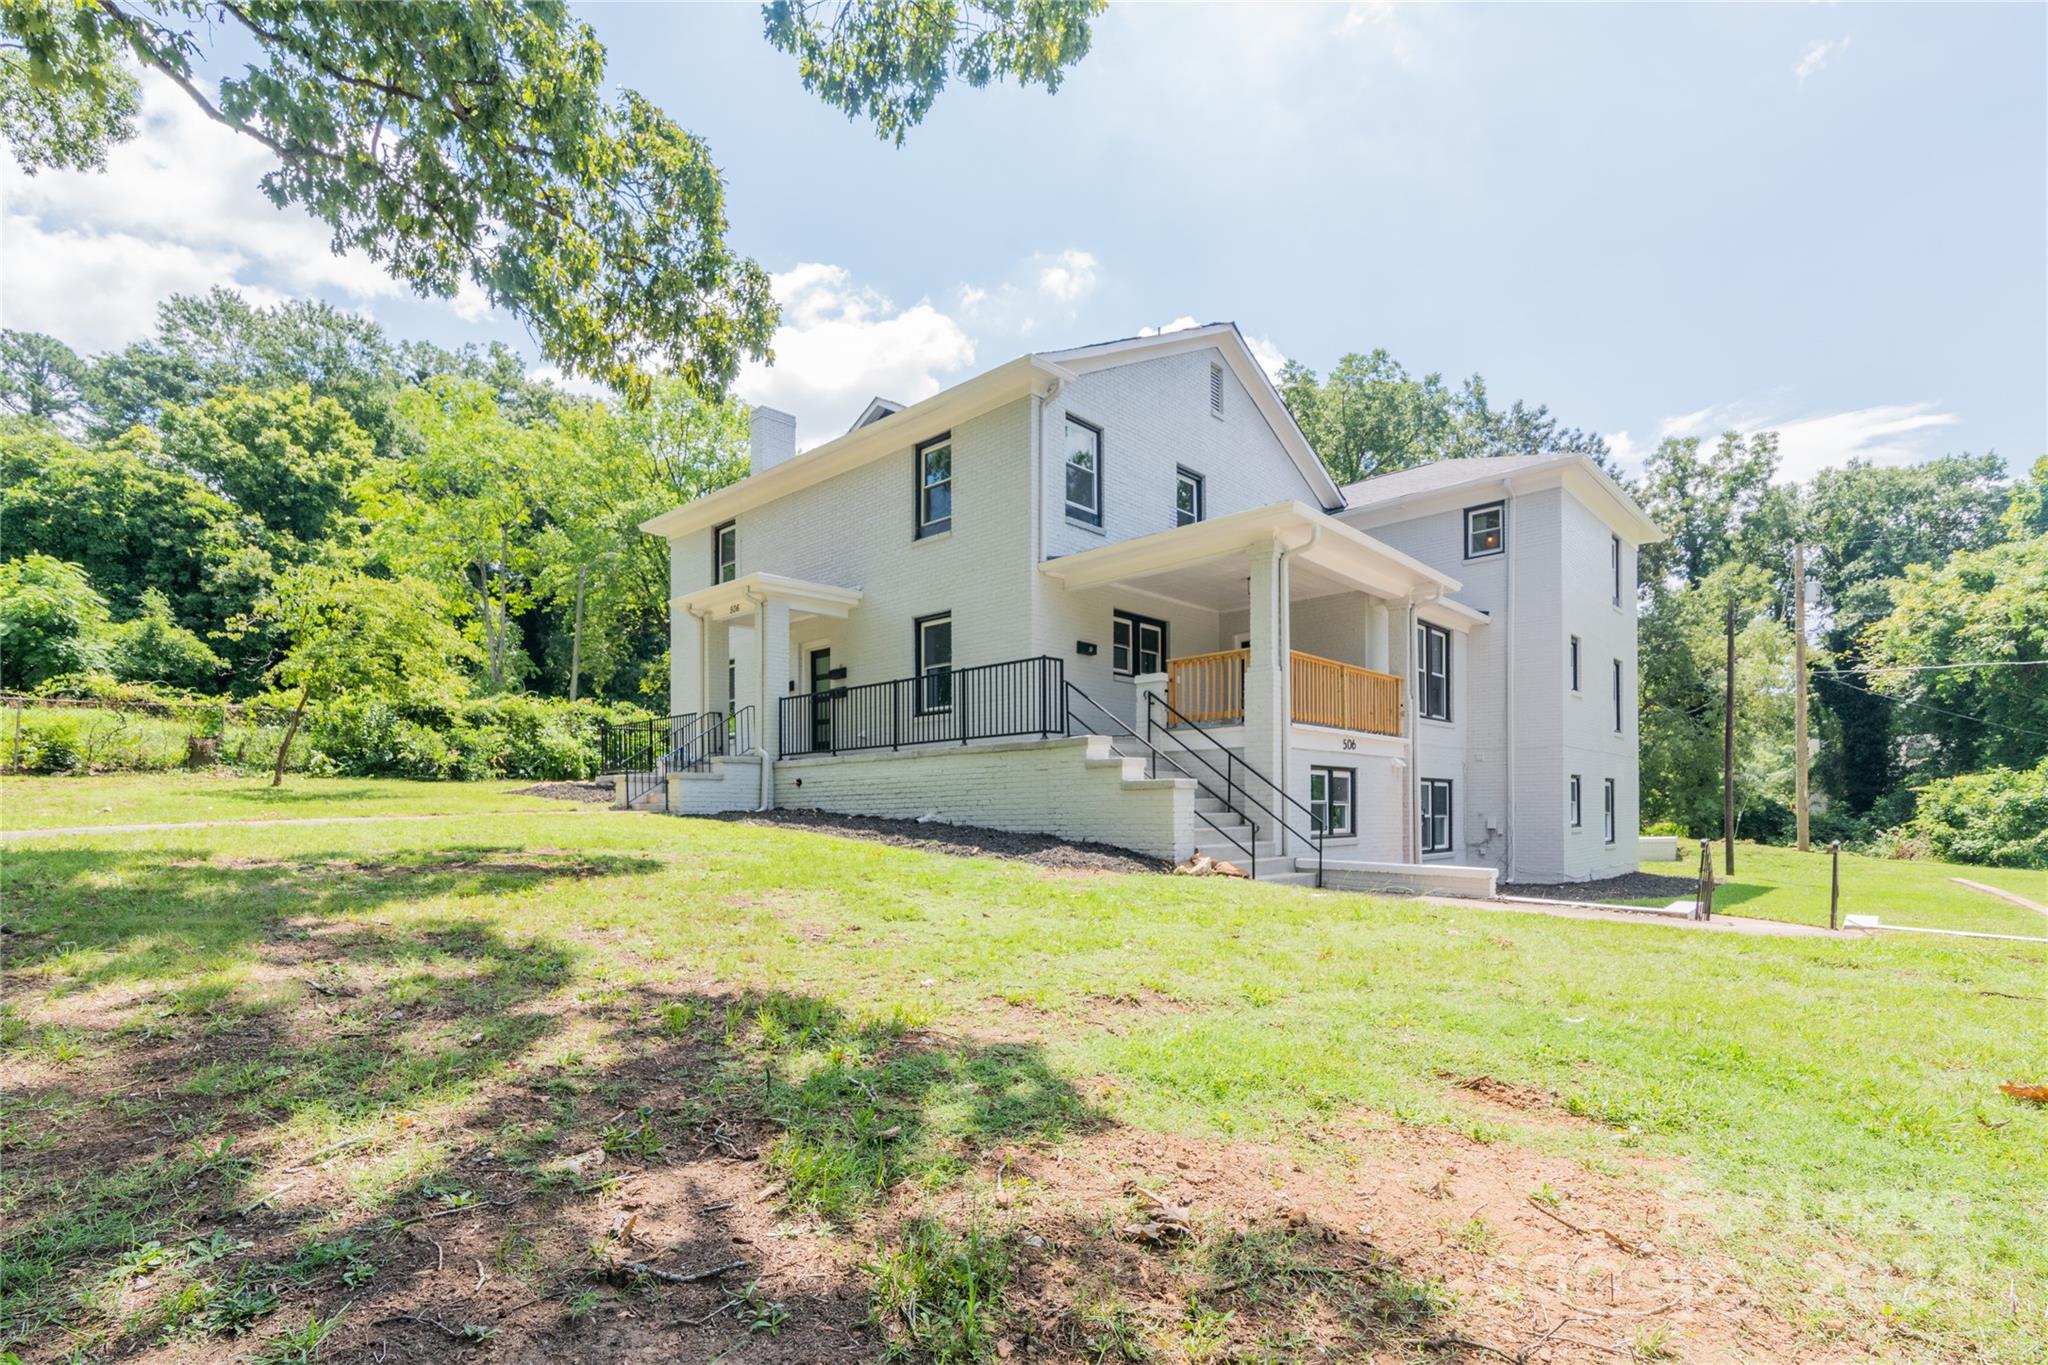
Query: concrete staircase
point(1221, 832)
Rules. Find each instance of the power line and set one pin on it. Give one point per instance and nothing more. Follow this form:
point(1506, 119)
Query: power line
point(1932, 668)
point(1943, 710)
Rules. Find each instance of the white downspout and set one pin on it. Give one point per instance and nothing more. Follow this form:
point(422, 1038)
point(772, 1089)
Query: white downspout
point(761, 680)
point(1513, 533)
point(1410, 853)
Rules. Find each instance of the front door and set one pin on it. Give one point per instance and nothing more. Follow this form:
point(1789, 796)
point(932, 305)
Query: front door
point(821, 701)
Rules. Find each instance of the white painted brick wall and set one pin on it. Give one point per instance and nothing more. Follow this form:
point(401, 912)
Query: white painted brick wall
point(1047, 787)
point(729, 784)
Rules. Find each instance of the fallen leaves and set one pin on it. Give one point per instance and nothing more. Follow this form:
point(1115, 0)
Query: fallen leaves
point(2032, 1094)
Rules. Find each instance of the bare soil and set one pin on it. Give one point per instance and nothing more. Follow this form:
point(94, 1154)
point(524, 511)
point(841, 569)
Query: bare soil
point(1629, 886)
point(591, 793)
point(963, 840)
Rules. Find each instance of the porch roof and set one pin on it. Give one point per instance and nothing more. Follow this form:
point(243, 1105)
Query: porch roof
point(1201, 563)
point(740, 596)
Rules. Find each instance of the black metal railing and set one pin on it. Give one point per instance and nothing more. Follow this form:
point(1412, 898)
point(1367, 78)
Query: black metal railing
point(1249, 847)
point(1239, 777)
point(715, 734)
point(943, 706)
point(636, 746)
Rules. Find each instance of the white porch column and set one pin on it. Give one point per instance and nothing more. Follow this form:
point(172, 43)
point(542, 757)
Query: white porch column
point(1377, 646)
point(1265, 675)
point(685, 661)
point(717, 651)
point(771, 627)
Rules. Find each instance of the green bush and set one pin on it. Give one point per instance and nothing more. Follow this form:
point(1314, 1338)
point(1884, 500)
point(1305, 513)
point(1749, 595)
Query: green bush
point(512, 736)
point(1998, 817)
point(51, 621)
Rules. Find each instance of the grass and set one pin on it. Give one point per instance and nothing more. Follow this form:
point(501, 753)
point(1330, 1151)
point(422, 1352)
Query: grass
point(171, 798)
point(1830, 1106)
point(1785, 884)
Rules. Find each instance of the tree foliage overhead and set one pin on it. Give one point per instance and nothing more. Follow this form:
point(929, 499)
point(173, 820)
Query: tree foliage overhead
point(472, 143)
point(890, 59)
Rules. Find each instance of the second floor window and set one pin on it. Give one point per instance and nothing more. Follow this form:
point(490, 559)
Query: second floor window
point(1614, 565)
point(725, 553)
point(1432, 672)
point(1485, 531)
point(1187, 497)
point(1617, 696)
point(1084, 472)
point(935, 486)
point(1575, 663)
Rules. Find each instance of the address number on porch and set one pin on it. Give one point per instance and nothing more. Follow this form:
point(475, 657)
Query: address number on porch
point(1351, 744)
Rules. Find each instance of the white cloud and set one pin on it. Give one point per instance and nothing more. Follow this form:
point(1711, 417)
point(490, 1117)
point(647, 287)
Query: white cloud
point(1817, 55)
point(88, 257)
point(1626, 452)
point(1271, 359)
point(1884, 434)
point(1045, 288)
point(1179, 324)
point(841, 343)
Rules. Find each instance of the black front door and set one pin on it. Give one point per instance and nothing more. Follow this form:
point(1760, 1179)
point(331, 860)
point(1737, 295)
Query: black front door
point(821, 701)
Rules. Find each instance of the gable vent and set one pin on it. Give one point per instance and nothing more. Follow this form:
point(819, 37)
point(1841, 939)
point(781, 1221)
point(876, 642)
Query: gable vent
point(1215, 390)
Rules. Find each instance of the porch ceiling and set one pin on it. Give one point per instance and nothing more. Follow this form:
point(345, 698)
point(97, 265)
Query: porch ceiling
point(1204, 563)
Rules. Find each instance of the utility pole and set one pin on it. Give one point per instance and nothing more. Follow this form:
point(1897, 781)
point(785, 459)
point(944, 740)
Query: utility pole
point(1799, 760)
point(576, 673)
point(1728, 751)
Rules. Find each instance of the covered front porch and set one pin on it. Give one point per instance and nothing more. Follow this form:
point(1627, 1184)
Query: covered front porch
point(1208, 689)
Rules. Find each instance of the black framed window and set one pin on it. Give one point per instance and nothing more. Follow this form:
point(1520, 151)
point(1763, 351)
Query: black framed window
point(1614, 565)
point(725, 552)
point(1608, 798)
point(1617, 696)
point(1575, 663)
point(1436, 815)
point(1485, 530)
point(935, 486)
point(1432, 672)
point(1330, 800)
point(1190, 497)
point(1084, 472)
point(1572, 798)
point(1137, 645)
point(933, 644)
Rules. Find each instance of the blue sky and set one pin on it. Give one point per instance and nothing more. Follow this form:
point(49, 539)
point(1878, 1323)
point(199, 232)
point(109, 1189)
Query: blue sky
point(1827, 219)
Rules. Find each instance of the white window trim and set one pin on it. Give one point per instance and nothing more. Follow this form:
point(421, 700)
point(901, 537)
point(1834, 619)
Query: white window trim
point(938, 526)
point(1182, 474)
point(1611, 812)
point(917, 670)
point(1575, 802)
point(1501, 508)
point(1431, 814)
point(718, 535)
point(1083, 516)
point(1620, 711)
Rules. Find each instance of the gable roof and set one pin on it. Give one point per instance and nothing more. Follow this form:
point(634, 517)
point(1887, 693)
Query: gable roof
point(1039, 373)
point(875, 411)
point(1376, 499)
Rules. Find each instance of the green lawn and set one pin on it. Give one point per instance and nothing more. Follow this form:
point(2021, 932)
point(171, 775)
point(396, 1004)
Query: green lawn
point(248, 1001)
point(1785, 884)
point(165, 798)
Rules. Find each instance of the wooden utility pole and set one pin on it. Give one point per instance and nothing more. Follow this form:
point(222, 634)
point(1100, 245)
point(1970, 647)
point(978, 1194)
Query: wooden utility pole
point(1799, 760)
point(1728, 752)
point(576, 673)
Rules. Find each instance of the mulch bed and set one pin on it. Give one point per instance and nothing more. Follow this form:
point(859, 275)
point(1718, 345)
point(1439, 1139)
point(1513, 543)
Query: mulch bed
point(595, 793)
point(1628, 886)
point(963, 840)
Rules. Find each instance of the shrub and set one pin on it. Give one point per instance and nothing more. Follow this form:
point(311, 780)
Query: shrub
point(1998, 817)
point(153, 647)
point(51, 621)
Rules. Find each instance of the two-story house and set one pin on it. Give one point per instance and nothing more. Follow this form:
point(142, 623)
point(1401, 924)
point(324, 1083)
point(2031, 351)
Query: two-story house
point(1111, 593)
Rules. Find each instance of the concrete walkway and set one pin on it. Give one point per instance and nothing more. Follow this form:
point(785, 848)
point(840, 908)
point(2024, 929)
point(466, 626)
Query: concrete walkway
point(1719, 924)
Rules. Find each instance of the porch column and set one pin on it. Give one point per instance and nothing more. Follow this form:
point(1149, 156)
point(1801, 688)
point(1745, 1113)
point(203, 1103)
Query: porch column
point(771, 624)
point(1265, 675)
point(685, 661)
point(1377, 653)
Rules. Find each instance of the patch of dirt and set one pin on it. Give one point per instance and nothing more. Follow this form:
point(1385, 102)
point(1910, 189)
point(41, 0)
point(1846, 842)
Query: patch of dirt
point(591, 793)
point(962, 840)
point(1628, 886)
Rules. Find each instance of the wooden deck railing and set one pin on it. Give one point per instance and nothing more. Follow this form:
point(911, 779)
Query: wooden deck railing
point(1345, 696)
point(1206, 687)
point(1210, 687)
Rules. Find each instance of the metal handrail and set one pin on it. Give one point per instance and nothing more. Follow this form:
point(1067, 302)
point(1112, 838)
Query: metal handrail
point(1251, 853)
point(1231, 760)
point(715, 734)
point(944, 706)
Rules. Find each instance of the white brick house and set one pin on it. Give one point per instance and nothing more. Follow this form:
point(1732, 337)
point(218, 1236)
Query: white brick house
point(1111, 593)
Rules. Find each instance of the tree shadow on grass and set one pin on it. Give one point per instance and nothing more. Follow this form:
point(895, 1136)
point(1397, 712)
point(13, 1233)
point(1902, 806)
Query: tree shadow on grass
point(162, 913)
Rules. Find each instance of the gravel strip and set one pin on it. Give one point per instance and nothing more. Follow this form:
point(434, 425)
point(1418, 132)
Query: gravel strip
point(1628, 886)
point(595, 793)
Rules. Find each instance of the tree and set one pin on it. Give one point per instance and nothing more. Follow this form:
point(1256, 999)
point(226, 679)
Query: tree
point(889, 59)
point(40, 376)
point(153, 647)
point(52, 622)
point(473, 143)
point(1371, 417)
point(1982, 606)
point(285, 457)
point(347, 631)
point(1713, 507)
point(458, 508)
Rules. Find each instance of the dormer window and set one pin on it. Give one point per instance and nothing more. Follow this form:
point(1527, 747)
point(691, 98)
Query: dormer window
point(1485, 530)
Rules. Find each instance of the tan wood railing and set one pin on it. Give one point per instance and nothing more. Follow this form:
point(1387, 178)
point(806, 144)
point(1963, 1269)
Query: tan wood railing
point(1206, 687)
point(1210, 687)
point(1345, 696)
